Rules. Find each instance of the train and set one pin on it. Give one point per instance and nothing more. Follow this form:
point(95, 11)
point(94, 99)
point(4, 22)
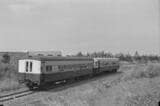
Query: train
point(39, 70)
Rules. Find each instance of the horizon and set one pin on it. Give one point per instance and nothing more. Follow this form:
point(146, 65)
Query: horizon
point(83, 52)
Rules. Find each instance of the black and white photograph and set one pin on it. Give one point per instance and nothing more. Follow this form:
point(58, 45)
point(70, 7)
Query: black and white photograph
point(79, 52)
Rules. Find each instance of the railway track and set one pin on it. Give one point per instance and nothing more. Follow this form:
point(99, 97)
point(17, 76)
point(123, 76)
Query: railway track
point(15, 95)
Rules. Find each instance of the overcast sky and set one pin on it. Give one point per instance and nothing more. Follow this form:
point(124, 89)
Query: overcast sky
point(80, 25)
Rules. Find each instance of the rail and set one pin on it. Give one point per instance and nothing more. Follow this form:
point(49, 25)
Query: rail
point(15, 95)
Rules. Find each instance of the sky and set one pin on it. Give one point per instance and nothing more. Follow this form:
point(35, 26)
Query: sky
point(71, 26)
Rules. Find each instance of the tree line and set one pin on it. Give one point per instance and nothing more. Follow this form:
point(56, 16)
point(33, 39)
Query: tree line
point(123, 57)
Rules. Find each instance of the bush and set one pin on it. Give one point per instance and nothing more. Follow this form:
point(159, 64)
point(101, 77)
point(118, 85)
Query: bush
point(7, 71)
point(8, 77)
point(148, 71)
point(8, 84)
point(6, 58)
point(152, 71)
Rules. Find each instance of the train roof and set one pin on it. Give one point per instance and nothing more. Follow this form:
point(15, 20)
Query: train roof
point(106, 59)
point(52, 58)
point(62, 58)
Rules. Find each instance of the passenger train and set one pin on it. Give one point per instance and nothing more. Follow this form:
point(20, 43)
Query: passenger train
point(37, 71)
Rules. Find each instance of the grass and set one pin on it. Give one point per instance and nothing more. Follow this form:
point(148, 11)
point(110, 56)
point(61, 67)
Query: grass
point(8, 77)
point(8, 85)
point(152, 71)
point(142, 71)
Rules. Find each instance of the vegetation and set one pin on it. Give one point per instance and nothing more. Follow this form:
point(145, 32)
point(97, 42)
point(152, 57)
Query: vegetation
point(8, 84)
point(141, 71)
point(8, 77)
point(123, 57)
point(8, 74)
point(6, 58)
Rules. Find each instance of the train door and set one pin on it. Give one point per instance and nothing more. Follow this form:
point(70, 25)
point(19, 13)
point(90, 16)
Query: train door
point(96, 66)
point(28, 69)
point(29, 66)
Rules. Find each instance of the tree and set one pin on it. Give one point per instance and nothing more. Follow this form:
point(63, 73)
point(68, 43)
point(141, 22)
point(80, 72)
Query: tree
point(79, 54)
point(120, 56)
point(128, 58)
point(88, 54)
point(109, 55)
point(6, 58)
point(136, 54)
point(137, 57)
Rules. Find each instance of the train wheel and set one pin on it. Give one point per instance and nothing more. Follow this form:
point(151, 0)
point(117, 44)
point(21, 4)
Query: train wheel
point(90, 76)
point(115, 70)
point(30, 86)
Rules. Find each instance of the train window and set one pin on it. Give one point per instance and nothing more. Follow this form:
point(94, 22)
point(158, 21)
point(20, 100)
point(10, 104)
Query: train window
point(88, 66)
point(55, 68)
point(60, 67)
point(48, 68)
point(27, 66)
point(31, 64)
point(114, 63)
point(106, 64)
point(97, 63)
point(82, 66)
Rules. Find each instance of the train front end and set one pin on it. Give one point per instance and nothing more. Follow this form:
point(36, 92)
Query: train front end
point(29, 72)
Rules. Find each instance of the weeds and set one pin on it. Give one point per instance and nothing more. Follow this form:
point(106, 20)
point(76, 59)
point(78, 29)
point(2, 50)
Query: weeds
point(8, 77)
point(8, 84)
point(148, 71)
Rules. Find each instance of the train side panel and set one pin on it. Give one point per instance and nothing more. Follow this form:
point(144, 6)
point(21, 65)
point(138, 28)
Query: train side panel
point(106, 65)
point(65, 75)
point(62, 70)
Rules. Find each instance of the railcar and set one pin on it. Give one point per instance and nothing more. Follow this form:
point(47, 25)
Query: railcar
point(40, 70)
point(37, 71)
point(105, 65)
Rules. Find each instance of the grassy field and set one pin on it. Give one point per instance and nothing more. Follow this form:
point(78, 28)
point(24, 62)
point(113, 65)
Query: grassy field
point(138, 85)
point(141, 71)
point(8, 77)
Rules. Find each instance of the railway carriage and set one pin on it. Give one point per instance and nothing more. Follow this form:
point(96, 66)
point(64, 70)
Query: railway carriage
point(40, 70)
point(105, 65)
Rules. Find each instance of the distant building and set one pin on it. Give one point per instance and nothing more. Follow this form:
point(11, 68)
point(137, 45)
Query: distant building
point(16, 55)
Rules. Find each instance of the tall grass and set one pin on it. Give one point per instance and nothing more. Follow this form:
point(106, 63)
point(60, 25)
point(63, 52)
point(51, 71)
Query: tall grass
point(139, 71)
point(8, 84)
point(152, 71)
point(8, 77)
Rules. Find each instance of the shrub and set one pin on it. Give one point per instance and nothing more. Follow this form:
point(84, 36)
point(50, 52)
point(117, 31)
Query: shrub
point(148, 71)
point(7, 71)
point(6, 58)
point(8, 84)
point(8, 77)
point(152, 71)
